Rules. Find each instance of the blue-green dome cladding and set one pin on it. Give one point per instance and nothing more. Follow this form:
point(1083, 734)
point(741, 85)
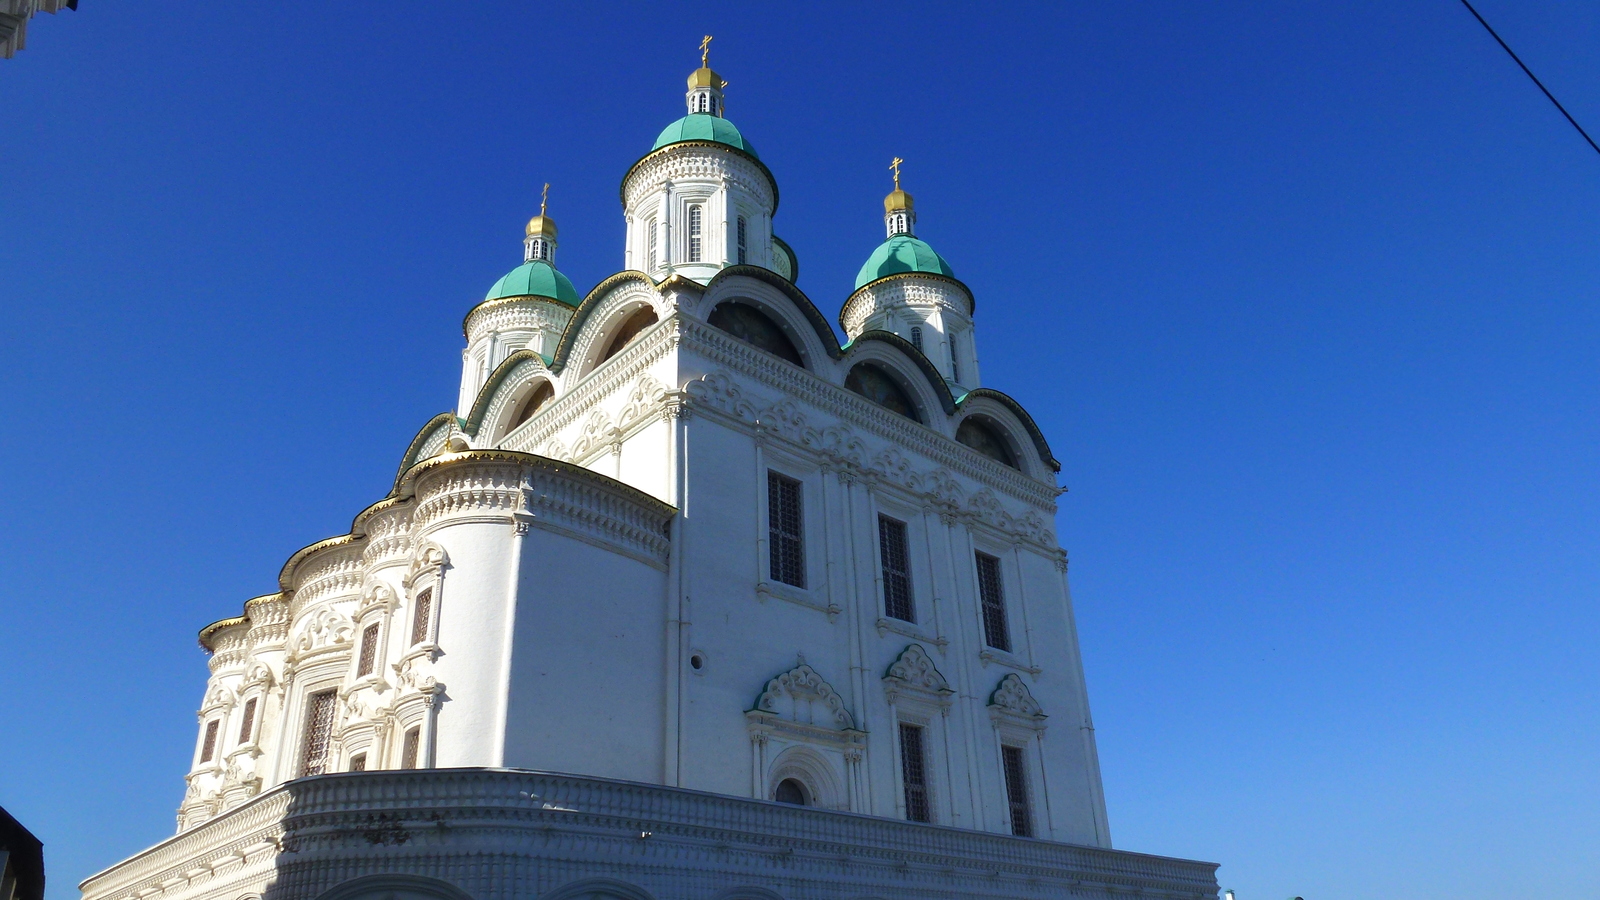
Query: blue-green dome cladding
point(899, 254)
point(704, 127)
point(535, 279)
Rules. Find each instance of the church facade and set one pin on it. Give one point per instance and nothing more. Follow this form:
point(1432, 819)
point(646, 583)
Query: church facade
point(686, 599)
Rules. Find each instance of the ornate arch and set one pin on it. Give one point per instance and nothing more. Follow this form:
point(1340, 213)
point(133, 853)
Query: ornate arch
point(428, 442)
point(808, 310)
point(1011, 699)
point(397, 887)
point(603, 304)
point(802, 695)
point(996, 399)
point(494, 401)
point(918, 376)
point(597, 889)
point(810, 768)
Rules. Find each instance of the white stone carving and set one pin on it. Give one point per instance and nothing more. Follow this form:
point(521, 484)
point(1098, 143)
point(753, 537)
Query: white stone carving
point(1011, 696)
point(801, 695)
point(323, 629)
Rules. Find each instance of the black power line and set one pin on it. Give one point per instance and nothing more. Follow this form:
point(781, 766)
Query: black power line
point(1530, 74)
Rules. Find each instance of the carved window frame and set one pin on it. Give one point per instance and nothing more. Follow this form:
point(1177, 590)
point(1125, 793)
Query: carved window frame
point(773, 457)
point(378, 601)
point(1024, 731)
point(428, 564)
point(258, 689)
point(927, 707)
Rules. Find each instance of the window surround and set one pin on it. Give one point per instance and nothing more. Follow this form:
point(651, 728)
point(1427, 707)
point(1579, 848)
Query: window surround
point(428, 565)
point(1019, 721)
point(919, 695)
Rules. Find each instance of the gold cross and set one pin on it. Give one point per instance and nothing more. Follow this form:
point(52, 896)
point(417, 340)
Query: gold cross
point(705, 50)
point(544, 197)
point(895, 165)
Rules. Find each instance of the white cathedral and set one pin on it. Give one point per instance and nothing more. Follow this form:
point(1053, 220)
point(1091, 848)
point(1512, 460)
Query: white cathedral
point(685, 601)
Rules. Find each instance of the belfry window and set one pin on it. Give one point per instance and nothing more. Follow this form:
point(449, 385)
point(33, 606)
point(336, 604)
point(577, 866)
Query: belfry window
point(916, 337)
point(991, 593)
point(914, 773)
point(696, 214)
point(742, 245)
point(369, 651)
point(209, 748)
point(318, 734)
point(421, 617)
point(785, 523)
point(248, 725)
point(896, 570)
point(411, 748)
point(1016, 771)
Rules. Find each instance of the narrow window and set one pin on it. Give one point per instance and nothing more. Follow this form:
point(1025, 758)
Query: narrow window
point(916, 337)
point(650, 240)
point(785, 521)
point(1017, 791)
point(896, 569)
point(408, 750)
point(741, 240)
point(247, 727)
point(914, 772)
point(318, 732)
point(955, 364)
point(358, 763)
point(420, 617)
point(209, 748)
point(369, 650)
point(695, 214)
point(992, 595)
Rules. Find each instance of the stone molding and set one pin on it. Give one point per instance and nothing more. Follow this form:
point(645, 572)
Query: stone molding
point(697, 162)
point(490, 831)
point(901, 292)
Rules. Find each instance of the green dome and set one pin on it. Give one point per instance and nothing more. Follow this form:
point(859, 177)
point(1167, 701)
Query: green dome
point(902, 253)
point(536, 279)
point(704, 127)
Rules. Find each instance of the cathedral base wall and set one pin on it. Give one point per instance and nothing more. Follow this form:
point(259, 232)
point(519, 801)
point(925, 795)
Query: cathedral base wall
point(472, 834)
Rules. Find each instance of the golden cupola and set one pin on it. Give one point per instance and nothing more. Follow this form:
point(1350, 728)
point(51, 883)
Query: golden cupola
point(899, 215)
point(541, 234)
point(705, 86)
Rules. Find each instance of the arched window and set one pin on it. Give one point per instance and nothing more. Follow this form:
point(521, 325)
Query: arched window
point(540, 396)
point(791, 791)
point(873, 383)
point(650, 241)
point(630, 329)
point(742, 244)
point(696, 213)
point(916, 337)
point(754, 327)
point(986, 440)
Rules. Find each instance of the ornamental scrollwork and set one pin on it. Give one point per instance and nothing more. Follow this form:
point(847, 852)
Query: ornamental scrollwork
point(1012, 696)
point(801, 694)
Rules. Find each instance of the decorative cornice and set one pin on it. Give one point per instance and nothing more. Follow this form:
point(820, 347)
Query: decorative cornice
point(972, 303)
point(662, 152)
point(497, 303)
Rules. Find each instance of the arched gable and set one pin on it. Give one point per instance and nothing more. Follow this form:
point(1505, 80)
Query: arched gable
point(432, 434)
point(815, 320)
point(577, 325)
point(597, 889)
point(505, 384)
point(1005, 402)
point(908, 357)
point(396, 886)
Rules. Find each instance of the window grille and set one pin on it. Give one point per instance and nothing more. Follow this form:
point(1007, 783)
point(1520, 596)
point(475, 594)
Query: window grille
point(914, 772)
point(992, 595)
point(785, 524)
point(650, 241)
point(358, 763)
point(696, 212)
point(1017, 791)
point(209, 749)
point(420, 617)
point(369, 650)
point(247, 727)
point(408, 750)
point(318, 733)
point(742, 245)
point(892, 552)
point(916, 337)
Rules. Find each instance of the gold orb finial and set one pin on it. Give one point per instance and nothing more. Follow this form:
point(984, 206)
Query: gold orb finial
point(542, 224)
point(703, 76)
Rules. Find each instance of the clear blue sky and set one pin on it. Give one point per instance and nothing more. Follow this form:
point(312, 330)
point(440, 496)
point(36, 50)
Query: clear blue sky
point(1304, 296)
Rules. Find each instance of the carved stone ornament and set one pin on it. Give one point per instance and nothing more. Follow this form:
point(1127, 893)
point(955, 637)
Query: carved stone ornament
point(376, 595)
point(1011, 696)
point(428, 557)
point(323, 629)
point(258, 675)
point(802, 695)
point(914, 670)
point(643, 400)
point(219, 696)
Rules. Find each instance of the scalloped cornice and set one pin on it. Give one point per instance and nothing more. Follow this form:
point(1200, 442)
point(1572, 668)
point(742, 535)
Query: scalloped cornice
point(652, 156)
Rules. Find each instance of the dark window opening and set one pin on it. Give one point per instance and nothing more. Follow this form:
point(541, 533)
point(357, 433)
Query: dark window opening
point(986, 440)
point(421, 616)
point(358, 763)
point(895, 559)
point(410, 749)
point(318, 733)
point(879, 386)
point(630, 329)
point(247, 727)
point(369, 651)
point(790, 791)
point(1017, 791)
point(536, 400)
point(992, 595)
point(755, 328)
point(785, 530)
point(209, 748)
point(914, 773)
